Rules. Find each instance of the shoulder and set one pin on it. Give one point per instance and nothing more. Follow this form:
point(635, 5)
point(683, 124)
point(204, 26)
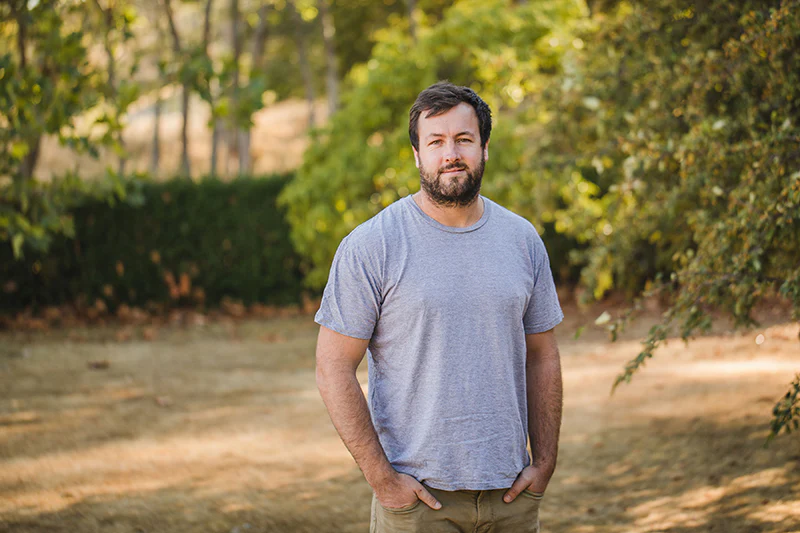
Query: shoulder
point(369, 239)
point(513, 223)
point(521, 234)
point(376, 230)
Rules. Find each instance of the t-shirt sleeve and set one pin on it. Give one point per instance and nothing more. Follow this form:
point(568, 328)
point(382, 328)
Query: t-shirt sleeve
point(351, 300)
point(544, 311)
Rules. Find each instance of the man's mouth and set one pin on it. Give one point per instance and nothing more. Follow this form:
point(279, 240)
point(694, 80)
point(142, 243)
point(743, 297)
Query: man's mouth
point(449, 170)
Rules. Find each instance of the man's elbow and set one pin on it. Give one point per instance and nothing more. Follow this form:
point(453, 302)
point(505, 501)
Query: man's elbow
point(330, 373)
point(547, 358)
point(322, 376)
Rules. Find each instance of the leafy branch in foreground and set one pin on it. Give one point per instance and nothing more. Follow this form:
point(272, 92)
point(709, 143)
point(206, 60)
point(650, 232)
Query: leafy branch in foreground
point(730, 186)
point(688, 310)
point(690, 314)
point(786, 413)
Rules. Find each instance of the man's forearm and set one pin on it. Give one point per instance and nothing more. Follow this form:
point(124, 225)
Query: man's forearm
point(347, 407)
point(545, 396)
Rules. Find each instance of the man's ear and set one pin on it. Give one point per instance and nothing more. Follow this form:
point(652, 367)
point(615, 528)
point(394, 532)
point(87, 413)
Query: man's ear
point(416, 156)
point(486, 151)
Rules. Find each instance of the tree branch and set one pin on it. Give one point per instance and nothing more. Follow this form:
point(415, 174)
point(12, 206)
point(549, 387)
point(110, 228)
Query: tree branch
point(176, 40)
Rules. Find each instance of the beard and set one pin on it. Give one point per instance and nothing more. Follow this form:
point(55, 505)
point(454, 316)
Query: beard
point(455, 191)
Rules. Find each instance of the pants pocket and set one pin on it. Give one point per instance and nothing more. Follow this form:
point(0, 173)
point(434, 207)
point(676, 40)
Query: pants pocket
point(408, 519)
point(401, 510)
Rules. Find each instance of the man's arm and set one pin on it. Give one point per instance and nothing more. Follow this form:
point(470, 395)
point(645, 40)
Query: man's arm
point(544, 390)
point(338, 357)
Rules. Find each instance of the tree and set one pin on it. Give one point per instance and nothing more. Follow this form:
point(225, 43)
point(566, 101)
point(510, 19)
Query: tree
point(257, 75)
point(209, 95)
point(242, 150)
point(185, 76)
point(46, 83)
point(302, 56)
point(411, 5)
point(362, 161)
point(328, 36)
point(660, 137)
point(737, 165)
point(120, 93)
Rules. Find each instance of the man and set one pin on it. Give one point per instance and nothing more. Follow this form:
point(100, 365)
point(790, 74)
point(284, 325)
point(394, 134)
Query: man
point(452, 298)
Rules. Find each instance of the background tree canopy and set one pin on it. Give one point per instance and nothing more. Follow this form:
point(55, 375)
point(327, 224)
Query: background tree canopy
point(661, 137)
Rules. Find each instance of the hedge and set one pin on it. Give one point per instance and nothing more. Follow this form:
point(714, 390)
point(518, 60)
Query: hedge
point(186, 244)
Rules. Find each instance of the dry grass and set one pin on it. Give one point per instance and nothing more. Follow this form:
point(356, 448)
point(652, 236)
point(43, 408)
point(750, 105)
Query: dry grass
point(213, 430)
point(279, 139)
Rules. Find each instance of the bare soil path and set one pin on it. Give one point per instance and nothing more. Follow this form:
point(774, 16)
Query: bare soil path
point(220, 429)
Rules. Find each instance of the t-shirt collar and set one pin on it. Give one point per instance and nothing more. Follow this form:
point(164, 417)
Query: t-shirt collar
point(451, 229)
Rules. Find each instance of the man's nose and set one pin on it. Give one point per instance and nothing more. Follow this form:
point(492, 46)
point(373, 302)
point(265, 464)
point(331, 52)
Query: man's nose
point(451, 154)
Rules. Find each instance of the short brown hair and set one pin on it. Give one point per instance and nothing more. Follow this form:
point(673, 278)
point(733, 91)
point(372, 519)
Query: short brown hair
point(442, 97)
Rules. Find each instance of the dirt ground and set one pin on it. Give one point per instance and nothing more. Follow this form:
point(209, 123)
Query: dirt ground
point(219, 428)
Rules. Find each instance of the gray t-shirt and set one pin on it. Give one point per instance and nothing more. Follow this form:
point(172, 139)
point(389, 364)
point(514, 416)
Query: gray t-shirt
point(446, 311)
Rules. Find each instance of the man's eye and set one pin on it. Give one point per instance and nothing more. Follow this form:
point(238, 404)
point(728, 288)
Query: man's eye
point(435, 142)
point(465, 140)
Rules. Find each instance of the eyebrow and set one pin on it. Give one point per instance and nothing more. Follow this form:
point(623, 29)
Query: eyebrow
point(459, 134)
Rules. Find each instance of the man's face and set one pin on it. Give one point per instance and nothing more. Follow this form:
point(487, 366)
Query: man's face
point(450, 158)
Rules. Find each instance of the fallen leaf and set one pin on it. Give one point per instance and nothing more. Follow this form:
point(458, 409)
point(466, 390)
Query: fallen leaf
point(149, 333)
point(272, 337)
point(163, 401)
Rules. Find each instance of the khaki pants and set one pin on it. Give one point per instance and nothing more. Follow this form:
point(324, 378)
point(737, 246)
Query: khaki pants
point(464, 511)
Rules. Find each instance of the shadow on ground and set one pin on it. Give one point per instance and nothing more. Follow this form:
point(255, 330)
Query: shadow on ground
point(208, 434)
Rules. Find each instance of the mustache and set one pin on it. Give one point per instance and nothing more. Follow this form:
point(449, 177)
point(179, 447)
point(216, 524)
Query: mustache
point(453, 167)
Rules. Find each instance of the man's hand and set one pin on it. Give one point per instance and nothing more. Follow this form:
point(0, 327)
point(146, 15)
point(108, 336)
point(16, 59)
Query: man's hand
point(532, 478)
point(402, 490)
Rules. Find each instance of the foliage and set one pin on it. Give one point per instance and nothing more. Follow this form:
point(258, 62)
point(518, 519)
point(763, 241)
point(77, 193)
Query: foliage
point(43, 211)
point(46, 84)
point(714, 185)
point(363, 161)
point(186, 243)
point(786, 412)
point(659, 136)
point(701, 160)
point(358, 22)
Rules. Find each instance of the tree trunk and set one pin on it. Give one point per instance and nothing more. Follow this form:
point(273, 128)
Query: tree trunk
point(28, 164)
point(214, 128)
point(31, 158)
point(412, 22)
point(207, 25)
point(328, 35)
point(108, 23)
point(235, 75)
point(257, 69)
point(260, 38)
point(22, 33)
point(305, 68)
point(230, 148)
point(112, 83)
point(244, 150)
point(155, 155)
point(214, 146)
point(176, 39)
point(176, 46)
point(185, 166)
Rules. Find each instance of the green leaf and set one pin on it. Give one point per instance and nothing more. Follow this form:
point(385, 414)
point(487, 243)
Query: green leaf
point(16, 243)
point(19, 149)
point(604, 318)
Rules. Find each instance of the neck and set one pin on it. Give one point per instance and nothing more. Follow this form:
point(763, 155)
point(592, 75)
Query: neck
point(453, 216)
